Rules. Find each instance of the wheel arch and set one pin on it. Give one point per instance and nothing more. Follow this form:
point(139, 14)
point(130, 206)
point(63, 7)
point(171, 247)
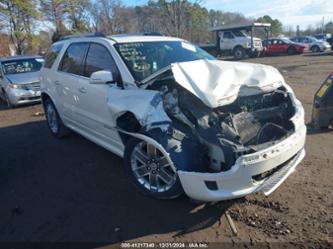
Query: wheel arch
point(44, 97)
point(315, 46)
point(178, 143)
point(238, 46)
point(128, 125)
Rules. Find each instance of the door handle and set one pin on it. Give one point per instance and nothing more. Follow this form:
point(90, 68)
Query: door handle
point(82, 90)
point(57, 82)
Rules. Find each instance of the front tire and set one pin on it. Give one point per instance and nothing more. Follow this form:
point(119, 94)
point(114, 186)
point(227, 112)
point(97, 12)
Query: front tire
point(151, 170)
point(315, 49)
point(7, 100)
point(291, 51)
point(55, 124)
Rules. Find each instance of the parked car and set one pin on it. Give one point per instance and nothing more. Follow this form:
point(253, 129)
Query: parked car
point(330, 41)
point(182, 120)
point(322, 112)
point(282, 46)
point(314, 44)
point(323, 37)
point(19, 79)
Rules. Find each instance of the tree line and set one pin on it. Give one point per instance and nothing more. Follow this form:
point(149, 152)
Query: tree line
point(29, 23)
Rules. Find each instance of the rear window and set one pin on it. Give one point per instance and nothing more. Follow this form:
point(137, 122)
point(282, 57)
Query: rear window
point(52, 54)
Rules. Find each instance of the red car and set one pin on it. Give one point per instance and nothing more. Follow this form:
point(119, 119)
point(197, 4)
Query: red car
point(282, 46)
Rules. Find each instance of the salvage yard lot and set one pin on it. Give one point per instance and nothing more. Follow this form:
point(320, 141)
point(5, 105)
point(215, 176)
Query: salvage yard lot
point(73, 190)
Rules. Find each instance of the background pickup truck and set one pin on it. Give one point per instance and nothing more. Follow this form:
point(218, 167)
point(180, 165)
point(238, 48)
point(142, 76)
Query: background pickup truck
point(237, 40)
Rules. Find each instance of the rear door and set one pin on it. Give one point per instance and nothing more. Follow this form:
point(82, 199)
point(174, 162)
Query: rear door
point(275, 46)
point(92, 99)
point(70, 70)
point(268, 46)
point(282, 46)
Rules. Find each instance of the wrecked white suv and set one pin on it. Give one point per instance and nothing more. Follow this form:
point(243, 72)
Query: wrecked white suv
point(182, 120)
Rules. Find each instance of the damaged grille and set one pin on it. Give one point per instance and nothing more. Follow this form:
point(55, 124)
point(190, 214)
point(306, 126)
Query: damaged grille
point(249, 124)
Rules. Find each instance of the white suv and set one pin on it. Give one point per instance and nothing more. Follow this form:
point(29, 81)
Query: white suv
point(182, 120)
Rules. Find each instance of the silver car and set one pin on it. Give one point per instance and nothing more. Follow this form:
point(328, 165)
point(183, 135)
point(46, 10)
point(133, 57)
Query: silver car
point(314, 44)
point(19, 83)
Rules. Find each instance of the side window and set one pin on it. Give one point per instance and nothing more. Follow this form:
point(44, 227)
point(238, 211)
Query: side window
point(98, 58)
point(280, 42)
point(52, 54)
point(227, 35)
point(275, 41)
point(72, 61)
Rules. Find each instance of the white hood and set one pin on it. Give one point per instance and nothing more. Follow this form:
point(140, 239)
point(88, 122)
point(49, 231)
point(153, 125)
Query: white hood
point(218, 83)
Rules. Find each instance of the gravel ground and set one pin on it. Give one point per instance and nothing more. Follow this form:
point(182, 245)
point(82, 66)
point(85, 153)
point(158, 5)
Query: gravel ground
point(71, 190)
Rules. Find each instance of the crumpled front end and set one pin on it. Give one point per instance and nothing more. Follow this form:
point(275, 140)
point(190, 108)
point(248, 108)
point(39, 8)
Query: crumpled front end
point(257, 147)
point(230, 129)
point(262, 171)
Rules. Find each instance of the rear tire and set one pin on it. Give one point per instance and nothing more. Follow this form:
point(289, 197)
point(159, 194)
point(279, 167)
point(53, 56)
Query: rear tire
point(151, 170)
point(55, 124)
point(239, 53)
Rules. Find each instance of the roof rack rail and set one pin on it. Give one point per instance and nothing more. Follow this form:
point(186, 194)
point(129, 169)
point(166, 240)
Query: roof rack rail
point(137, 33)
point(153, 33)
point(94, 34)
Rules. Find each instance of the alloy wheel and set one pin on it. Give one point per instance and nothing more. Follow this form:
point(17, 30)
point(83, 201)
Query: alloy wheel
point(152, 168)
point(52, 119)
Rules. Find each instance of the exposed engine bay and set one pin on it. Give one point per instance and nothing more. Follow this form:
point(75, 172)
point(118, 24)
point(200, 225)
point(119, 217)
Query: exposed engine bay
point(249, 124)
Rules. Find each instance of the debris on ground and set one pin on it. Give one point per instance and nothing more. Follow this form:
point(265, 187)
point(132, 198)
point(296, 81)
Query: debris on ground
point(231, 223)
point(38, 114)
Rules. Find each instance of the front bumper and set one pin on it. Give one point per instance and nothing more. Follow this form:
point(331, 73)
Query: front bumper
point(21, 96)
point(325, 47)
point(255, 49)
point(240, 179)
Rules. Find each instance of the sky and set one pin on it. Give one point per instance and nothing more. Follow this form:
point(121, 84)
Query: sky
point(290, 12)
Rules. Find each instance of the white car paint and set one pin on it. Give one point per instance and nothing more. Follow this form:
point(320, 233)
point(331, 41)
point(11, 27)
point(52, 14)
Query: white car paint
point(229, 44)
point(218, 83)
point(92, 112)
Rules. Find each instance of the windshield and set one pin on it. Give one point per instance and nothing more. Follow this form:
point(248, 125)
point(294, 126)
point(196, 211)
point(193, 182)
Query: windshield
point(286, 40)
point(238, 33)
point(145, 58)
point(312, 39)
point(22, 65)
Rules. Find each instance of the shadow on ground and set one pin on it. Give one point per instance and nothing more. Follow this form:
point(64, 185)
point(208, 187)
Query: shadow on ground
point(73, 190)
point(327, 53)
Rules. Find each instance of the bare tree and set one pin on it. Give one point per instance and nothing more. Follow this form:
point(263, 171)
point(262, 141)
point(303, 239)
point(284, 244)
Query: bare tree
point(55, 11)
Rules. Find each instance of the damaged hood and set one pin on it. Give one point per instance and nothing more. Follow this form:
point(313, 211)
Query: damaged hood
point(217, 83)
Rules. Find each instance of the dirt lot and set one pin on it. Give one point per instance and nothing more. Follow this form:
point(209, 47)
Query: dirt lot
point(72, 190)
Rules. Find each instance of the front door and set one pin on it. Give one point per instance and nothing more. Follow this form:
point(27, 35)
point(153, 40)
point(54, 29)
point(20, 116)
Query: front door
point(92, 99)
point(226, 41)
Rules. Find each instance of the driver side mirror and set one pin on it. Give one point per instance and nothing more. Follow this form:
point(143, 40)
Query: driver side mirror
point(101, 77)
